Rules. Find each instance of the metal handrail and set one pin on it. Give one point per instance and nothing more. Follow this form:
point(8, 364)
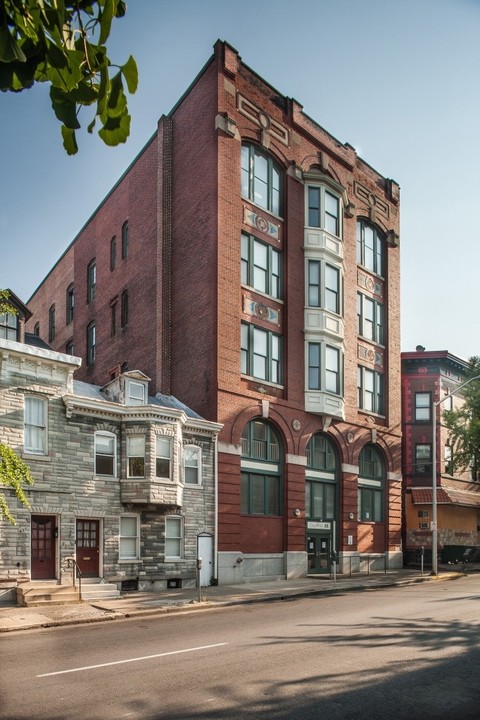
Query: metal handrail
point(72, 563)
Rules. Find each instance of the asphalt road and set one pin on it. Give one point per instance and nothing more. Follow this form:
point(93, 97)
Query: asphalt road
point(403, 652)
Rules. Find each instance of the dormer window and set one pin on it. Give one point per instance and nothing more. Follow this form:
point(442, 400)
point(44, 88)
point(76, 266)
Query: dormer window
point(8, 326)
point(136, 392)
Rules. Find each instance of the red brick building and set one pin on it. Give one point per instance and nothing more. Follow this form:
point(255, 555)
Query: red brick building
point(248, 262)
point(428, 379)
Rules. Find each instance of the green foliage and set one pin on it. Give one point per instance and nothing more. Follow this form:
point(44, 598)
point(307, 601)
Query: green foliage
point(464, 423)
point(14, 473)
point(64, 44)
point(5, 305)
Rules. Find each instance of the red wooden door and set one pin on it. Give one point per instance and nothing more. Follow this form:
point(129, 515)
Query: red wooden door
point(88, 547)
point(43, 547)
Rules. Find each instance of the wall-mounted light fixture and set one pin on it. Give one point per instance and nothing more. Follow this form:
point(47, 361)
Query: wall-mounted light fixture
point(351, 516)
point(297, 512)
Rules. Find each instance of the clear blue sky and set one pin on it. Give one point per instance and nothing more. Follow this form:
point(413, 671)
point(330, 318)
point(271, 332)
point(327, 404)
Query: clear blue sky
point(398, 80)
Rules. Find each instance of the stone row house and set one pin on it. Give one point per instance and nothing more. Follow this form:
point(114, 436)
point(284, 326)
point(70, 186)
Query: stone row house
point(124, 483)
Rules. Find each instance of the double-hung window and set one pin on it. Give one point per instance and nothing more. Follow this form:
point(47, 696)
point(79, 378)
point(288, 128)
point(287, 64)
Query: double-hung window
point(136, 392)
point(192, 464)
point(91, 281)
point(9, 326)
point(125, 240)
point(261, 179)
point(422, 406)
point(370, 248)
point(423, 459)
point(323, 286)
point(370, 386)
point(260, 353)
point(323, 209)
point(163, 457)
point(174, 537)
point(124, 309)
point(51, 323)
point(371, 486)
point(260, 266)
point(105, 454)
point(35, 427)
point(113, 253)
point(70, 303)
point(135, 456)
point(129, 540)
point(91, 343)
point(324, 368)
point(370, 319)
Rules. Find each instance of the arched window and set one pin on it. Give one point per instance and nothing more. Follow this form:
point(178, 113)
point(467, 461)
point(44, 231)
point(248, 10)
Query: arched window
point(125, 240)
point(70, 302)
point(91, 280)
point(261, 179)
point(261, 482)
point(113, 253)
point(91, 343)
point(371, 485)
point(105, 454)
point(124, 309)
point(370, 248)
point(51, 323)
point(323, 209)
point(321, 479)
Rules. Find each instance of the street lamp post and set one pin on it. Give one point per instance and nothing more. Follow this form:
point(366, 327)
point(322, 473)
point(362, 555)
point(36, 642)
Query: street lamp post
point(434, 472)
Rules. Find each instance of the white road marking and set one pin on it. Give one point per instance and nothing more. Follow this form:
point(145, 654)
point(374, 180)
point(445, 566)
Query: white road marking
point(137, 659)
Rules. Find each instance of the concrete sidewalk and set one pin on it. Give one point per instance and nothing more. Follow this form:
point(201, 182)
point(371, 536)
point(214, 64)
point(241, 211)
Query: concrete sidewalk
point(137, 604)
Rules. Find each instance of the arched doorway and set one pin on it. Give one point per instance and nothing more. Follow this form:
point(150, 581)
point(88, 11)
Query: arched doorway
point(321, 502)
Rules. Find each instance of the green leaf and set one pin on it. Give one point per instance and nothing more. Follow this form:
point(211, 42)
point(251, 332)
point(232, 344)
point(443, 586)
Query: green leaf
point(69, 140)
point(14, 473)
point(64, 108)
point(115, 130)
point(68, 76)
point(10, 50)
point(130, 73)
point(106, 20)
point(121, 8)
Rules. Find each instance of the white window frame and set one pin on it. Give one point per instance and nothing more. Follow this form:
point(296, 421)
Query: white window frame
point(141, 397)
point(111, 436)
point(323, 369)
point(372, 329)
point(160, 454)
point(180, 539)
point(377, 393)
point(263, 190)
point(35, 427)
point(196, 467)
point(323, 291)
point(131, 455)
point(423, 408)
point(269, 271)
point(253, 355)
point(9, 326)
point(372, 258)
point(324, 193)
point(128, 557)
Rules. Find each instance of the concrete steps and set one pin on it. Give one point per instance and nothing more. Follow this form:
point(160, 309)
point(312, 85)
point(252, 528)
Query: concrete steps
point(38, 594)
point(98, 591)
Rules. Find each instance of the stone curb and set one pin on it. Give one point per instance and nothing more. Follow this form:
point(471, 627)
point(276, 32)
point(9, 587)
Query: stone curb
point(195, 606)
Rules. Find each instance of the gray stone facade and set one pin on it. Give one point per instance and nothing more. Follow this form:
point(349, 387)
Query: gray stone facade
point(161, 518)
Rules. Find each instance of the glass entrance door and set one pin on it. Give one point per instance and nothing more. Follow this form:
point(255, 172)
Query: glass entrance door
point(318, 551)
